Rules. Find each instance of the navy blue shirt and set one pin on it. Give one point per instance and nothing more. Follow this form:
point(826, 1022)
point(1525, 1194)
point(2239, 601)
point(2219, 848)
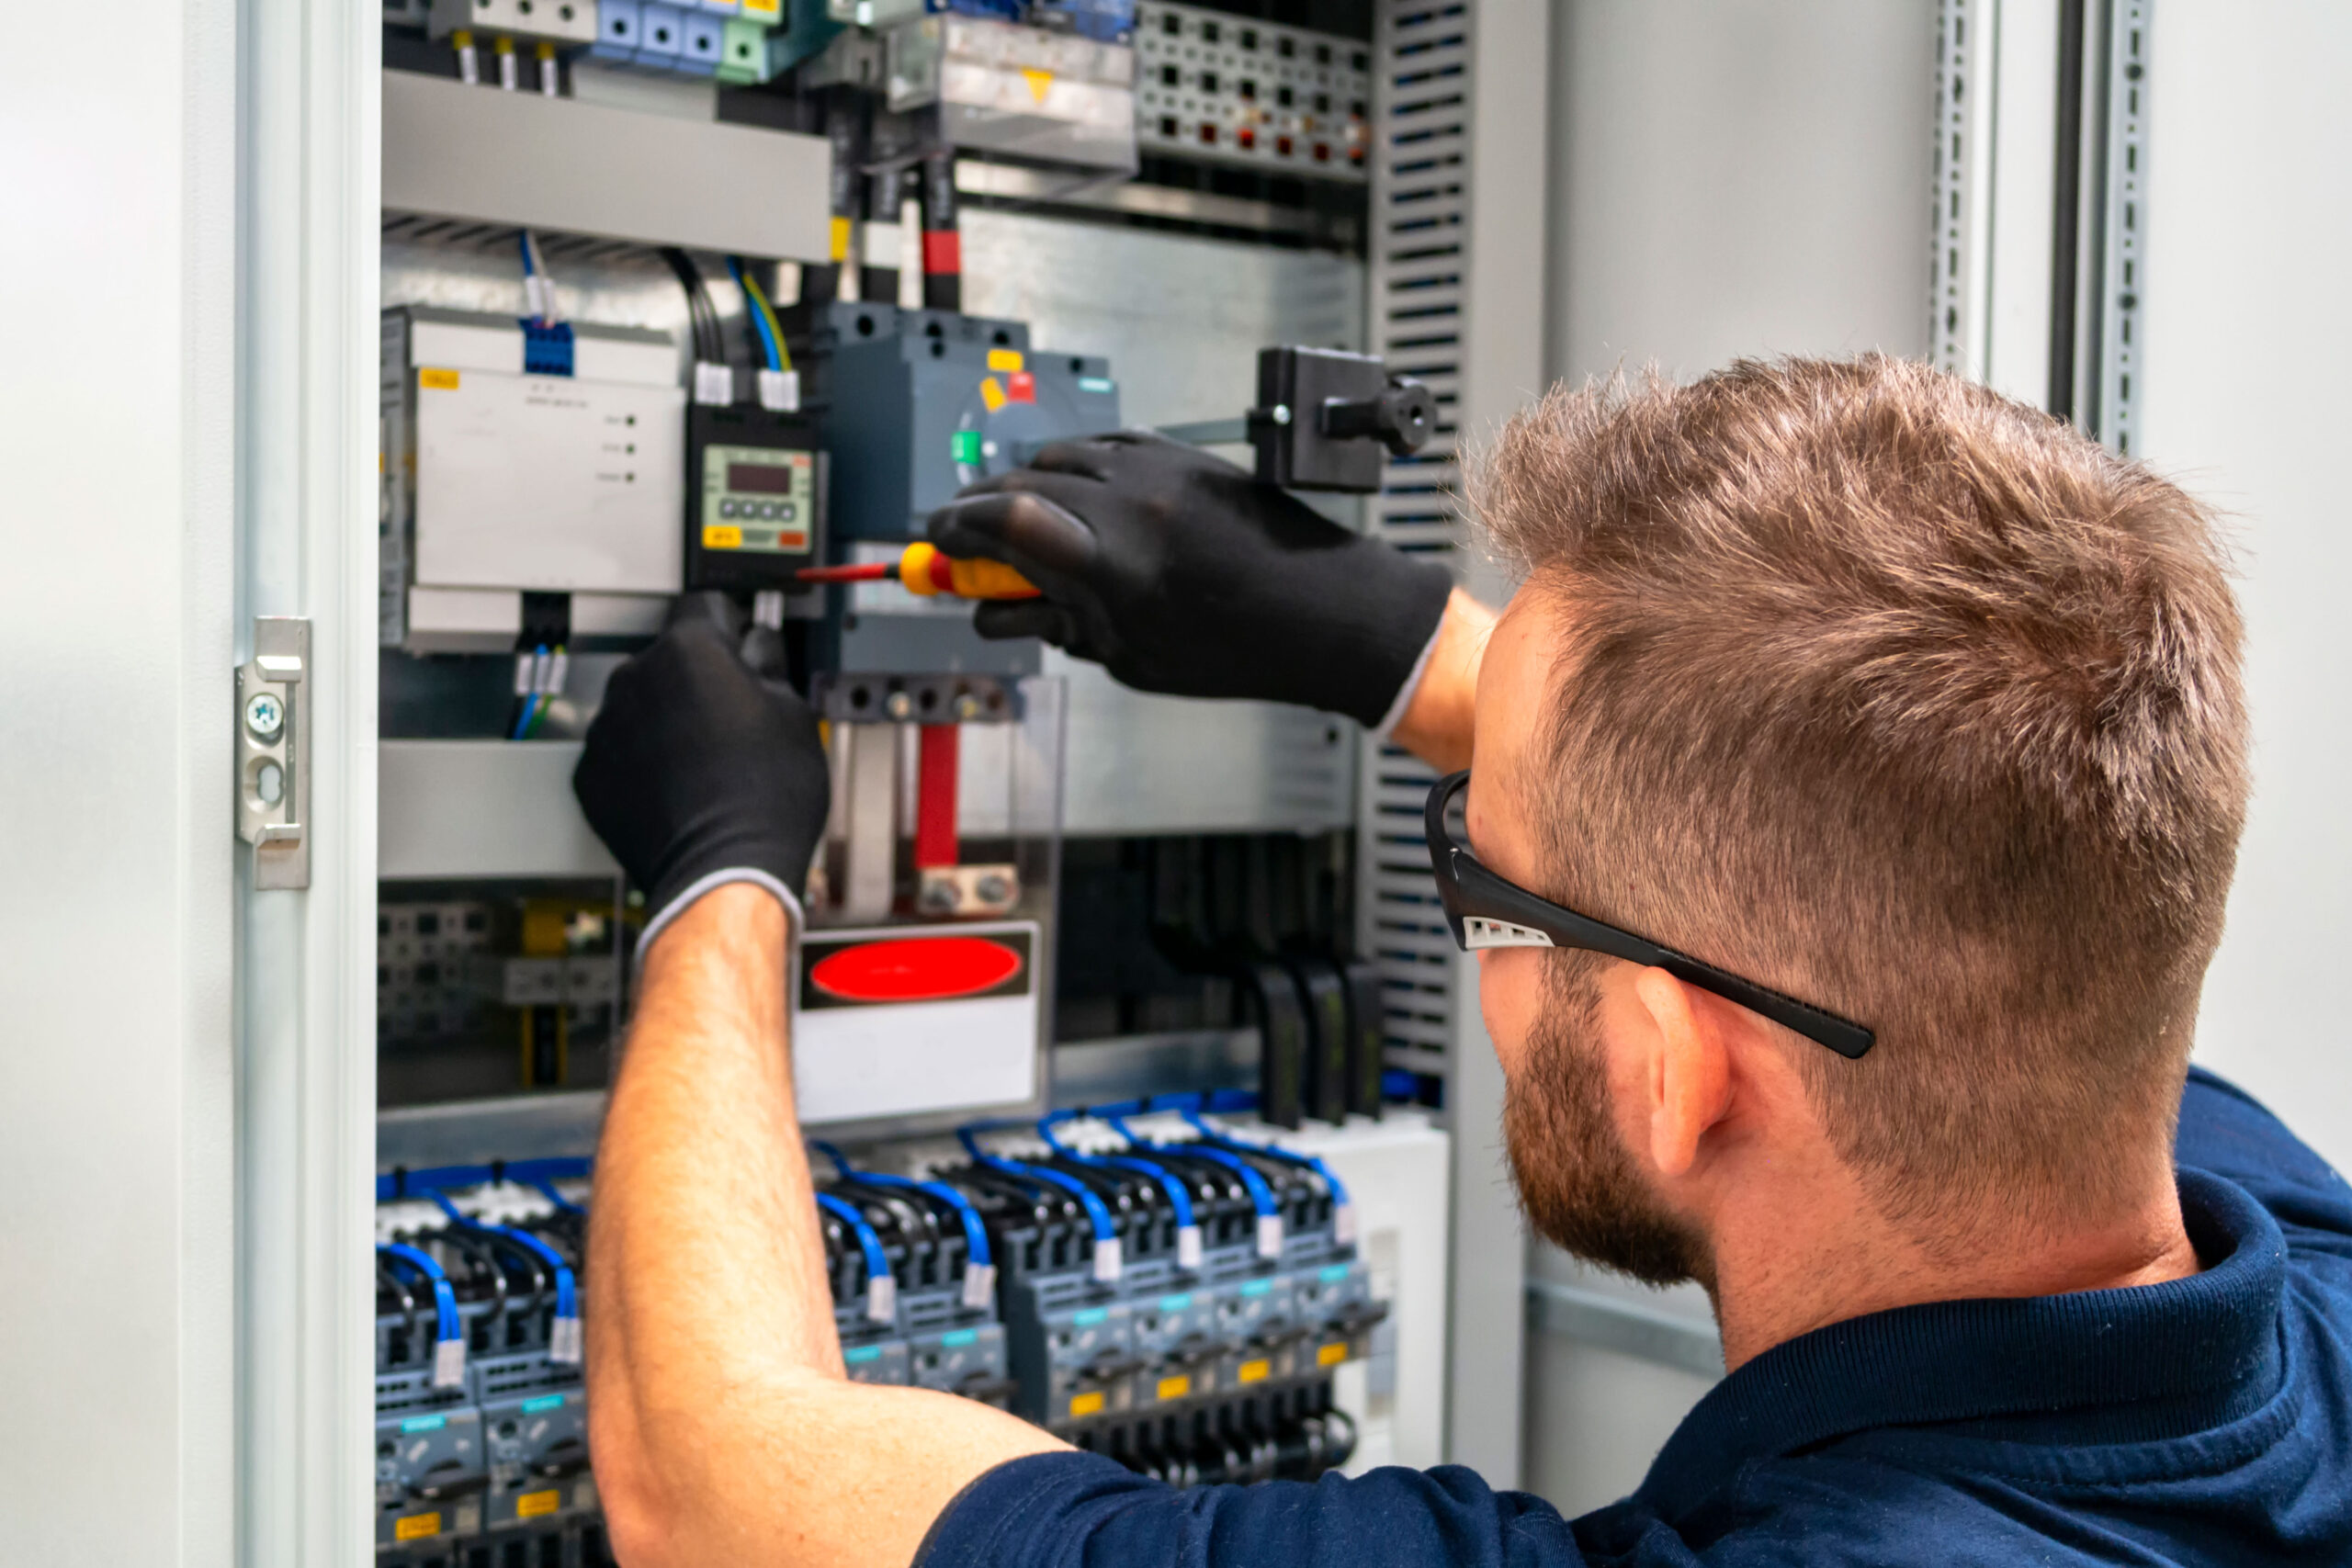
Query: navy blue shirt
point(2205, 1420)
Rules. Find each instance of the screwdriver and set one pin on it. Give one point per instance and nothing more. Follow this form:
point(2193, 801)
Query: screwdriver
point(923, 569)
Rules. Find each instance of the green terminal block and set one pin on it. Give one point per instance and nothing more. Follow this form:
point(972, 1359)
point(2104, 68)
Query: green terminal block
point(965, 447)
point(743, 52)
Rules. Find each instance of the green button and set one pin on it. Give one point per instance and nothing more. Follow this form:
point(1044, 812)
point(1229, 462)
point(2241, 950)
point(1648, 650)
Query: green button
point(965, 444)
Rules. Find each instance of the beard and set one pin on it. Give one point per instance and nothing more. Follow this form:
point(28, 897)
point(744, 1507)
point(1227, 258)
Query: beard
point(1578, 1185)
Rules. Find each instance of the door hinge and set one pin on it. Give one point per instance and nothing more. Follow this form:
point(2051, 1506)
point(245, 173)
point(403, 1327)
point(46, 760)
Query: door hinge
point(274, 751)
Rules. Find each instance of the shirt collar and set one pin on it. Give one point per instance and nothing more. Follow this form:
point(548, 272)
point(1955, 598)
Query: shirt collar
point(2098, 1353)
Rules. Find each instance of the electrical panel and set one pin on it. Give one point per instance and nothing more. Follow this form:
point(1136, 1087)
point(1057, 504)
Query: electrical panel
point(1178, 1277)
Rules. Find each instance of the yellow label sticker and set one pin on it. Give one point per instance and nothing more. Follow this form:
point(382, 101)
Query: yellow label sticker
point(721, 536)
point(416, 1527)
point(1086, 1404)
point(992, 392)
point(1039, 81)
point(531, 1504)
point(772, 9)
point(1005, 359)
point(1254, 1371)
point(439, 380)
point(1331, 1355)
point(1175, 1387)
point(841, 238)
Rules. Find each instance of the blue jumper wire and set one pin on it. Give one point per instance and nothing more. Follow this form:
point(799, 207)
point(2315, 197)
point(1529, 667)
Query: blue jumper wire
point(1107, 1261)
point(979, 1268)
point(881, 1285)
point(1188, 1228)
point(449, 1336)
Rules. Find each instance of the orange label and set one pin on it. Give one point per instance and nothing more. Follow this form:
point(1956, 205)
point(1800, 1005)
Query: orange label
point(439, 380)
point(1175, 1388)
point(1331, 1355)
point(1005, 359)
point(416, 1527)
point(1254, 1371)
point(721, 536)
point(1086, 1404)
point(992, 393)
point(531, 1504)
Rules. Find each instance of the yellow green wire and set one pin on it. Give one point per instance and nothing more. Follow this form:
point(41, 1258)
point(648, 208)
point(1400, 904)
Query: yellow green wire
point(767, 313)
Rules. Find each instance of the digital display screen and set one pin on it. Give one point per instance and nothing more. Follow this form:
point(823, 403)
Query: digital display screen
point(762, 479)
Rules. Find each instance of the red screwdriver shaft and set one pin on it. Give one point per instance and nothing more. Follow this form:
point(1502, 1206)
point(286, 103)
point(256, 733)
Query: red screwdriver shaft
point(863, 572)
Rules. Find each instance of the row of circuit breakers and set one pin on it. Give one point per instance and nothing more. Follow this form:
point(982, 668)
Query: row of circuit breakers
point(1147, 1281)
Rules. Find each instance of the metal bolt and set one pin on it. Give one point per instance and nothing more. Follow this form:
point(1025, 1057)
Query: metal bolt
point(993, 888)
point(899, 705)
point(265, 716)
point(1281, 414)
point(938, 896)
point(968, 706)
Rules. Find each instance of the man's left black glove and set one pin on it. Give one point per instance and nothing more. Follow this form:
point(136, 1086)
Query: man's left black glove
point(701, 769)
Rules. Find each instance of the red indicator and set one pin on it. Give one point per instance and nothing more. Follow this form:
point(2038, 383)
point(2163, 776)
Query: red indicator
point(1208, 134)
point(925, 969)
point(1020, 387)
point(1246, 136)
point(1282, 145)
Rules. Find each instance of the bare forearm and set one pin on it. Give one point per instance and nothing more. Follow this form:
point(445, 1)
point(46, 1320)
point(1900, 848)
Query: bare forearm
point(724, 1429)
point(706, 1269)
point(1436, 723)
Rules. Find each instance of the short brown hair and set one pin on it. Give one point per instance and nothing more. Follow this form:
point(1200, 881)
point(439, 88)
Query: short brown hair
point(1918, 704)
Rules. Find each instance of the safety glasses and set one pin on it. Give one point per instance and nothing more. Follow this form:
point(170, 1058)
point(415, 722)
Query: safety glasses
point(1484, 910)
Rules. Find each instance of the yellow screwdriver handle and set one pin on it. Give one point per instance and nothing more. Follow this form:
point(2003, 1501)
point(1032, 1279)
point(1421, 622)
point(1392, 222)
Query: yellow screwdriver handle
point(926, 571)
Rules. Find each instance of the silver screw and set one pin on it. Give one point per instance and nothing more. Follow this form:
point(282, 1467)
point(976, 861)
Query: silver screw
point(968, 706)
point(993, 888)
point(899, 705)
point(265, 716)
point(939, 897)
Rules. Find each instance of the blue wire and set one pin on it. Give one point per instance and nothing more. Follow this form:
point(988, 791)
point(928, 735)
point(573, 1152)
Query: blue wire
point(1272, 1151)
point(1105, 1228)
point(1260, 1195)
point(444, 1300)
point(1178, 1198)
point(759, 317)
point(976, 1233)
point(878, 1264)
point(531, 700)
point(543, 1174)
point(567, 1288)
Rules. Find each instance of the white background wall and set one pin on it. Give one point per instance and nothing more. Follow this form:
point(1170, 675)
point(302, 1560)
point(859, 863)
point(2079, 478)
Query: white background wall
point(1728, 177)
point(2249, 233)
point(116, 316)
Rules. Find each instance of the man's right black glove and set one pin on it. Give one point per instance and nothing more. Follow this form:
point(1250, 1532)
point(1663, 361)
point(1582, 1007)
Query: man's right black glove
point(1181, 574)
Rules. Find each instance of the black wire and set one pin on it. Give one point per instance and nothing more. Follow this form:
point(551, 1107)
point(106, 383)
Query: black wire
point(709, 346)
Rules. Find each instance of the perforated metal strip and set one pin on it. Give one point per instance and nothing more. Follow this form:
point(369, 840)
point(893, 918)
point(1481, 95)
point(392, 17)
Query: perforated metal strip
point(1417, 251)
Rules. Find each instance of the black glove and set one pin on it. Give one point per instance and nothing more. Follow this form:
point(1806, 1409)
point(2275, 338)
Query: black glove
point(1180, 573)
point(701, 769)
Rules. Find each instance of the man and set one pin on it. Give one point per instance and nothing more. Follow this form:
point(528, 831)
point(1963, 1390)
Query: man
point(1908, 719)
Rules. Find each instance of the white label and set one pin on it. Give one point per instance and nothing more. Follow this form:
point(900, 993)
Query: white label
point(1107, 1260)
point(882, 1299)
point(448, 1363)
point(714, 383)
point(1343, 1224)
point(1188, 1246)
point(558, 668)
point(563, 1341)
point(1270, 1235)
point(523, 666)
point(780, 391)
point(979, 1284)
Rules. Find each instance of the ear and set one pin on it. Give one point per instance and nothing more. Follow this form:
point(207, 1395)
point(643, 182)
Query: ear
point(1690, 1069)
